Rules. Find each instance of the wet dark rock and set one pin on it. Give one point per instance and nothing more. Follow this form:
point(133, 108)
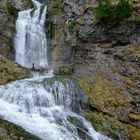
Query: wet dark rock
point(71, 91)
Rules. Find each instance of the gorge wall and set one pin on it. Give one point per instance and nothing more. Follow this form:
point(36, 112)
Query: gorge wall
point(105, 60)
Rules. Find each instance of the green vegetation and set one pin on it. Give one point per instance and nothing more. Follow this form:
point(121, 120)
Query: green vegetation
point(134, 19)
point(10, 71)
point(63, 71)
point(32, 11)
point(63, 79)
point(102, 93)
point(112, 127)
point(55, 7)
point(110, 13)
point(12, 131)
point(74, 121)
point(11, 10)
point(71, 26)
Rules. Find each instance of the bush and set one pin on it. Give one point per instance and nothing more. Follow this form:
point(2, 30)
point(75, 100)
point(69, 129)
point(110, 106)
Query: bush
point(55, 7)
point(71, 26)
point(113, 13)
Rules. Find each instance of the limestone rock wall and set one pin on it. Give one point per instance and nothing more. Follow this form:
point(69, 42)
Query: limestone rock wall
point(105, 60)
point(8, 14)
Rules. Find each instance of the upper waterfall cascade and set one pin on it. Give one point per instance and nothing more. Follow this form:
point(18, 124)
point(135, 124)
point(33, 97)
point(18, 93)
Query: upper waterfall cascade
point(41, 108)
point(30, 41)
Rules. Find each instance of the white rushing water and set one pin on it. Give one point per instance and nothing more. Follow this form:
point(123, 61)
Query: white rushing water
point(40, 107)
point(30, 41)
point(44, 109)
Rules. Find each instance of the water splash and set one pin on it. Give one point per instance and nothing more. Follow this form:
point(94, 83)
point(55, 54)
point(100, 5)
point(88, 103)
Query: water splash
point(44, 109)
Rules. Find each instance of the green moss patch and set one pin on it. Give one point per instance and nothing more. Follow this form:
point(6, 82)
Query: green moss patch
point(103, 94)
point(55, 7)
point(112, 127)
point(72, 25)
point(74, 121)
point(63, 71)
point(14, 132)
point(10, 71)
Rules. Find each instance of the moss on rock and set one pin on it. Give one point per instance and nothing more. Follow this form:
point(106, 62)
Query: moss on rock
point(55, 7)
point(74, 121)
point(63, 71)
point(135, 117)
point(103, 94)
point(13, 132)
point(10, 71)
point(72, 25)
point(112, 127)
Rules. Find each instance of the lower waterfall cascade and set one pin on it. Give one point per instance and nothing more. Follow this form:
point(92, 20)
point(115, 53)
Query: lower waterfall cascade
point(42, 109)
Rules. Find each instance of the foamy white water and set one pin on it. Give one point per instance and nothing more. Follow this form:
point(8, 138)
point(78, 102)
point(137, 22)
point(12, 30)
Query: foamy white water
point(44, 110)
point(30, 41)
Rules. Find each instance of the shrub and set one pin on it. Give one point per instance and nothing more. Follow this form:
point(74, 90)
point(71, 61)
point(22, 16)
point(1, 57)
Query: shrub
point(71, 26)
point(123, 9)
point(108, 12)
point(55, 7)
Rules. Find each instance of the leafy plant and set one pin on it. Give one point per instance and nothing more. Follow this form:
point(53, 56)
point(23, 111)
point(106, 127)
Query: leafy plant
point(108, 12)
point(55, 7)
point(71, 26)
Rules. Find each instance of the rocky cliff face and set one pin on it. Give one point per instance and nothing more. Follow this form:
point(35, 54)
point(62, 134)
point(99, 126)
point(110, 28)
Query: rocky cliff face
point(105, 60)
point(8, 14)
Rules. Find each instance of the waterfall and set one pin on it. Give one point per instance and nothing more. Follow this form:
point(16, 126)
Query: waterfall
point(43, 108)
point(30, 41)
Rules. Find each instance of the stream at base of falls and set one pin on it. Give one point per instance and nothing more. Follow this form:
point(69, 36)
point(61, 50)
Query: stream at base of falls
point(44, 109)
